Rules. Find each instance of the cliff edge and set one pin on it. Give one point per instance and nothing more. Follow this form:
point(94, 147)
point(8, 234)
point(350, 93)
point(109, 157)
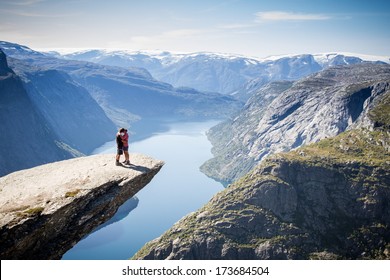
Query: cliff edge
point(46, 210)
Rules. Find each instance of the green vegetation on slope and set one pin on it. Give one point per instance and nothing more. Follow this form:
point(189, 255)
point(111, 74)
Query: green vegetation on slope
point(380, 114)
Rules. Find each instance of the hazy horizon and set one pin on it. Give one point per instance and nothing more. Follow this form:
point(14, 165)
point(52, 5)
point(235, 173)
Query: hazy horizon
point(245, 27)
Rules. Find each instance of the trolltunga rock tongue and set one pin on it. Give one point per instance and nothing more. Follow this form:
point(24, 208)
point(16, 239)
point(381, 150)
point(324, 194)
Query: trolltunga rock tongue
point(46, 210)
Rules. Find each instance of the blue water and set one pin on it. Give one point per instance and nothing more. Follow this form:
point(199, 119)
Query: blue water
point(178, 189)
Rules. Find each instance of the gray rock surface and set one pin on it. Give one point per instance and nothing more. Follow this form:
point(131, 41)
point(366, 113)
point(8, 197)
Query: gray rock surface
point(46, 210)
point(22, 127)
point(4, 69)
point(279, 119)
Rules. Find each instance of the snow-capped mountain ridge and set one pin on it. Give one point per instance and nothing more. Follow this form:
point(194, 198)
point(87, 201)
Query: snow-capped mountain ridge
point(219, 72)
point(166, 56)
point(321, 57)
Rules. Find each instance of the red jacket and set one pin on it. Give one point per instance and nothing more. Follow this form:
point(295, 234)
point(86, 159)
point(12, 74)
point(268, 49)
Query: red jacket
point(125, 140)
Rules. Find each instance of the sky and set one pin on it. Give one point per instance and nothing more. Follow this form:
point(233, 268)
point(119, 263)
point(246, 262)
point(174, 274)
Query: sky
point(256, 28)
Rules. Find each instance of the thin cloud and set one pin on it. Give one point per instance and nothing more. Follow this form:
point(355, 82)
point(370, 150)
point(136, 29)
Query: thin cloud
point(274, 16)
point(288, 16)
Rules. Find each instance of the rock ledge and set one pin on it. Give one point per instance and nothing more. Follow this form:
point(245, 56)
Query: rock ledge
point(46, 210)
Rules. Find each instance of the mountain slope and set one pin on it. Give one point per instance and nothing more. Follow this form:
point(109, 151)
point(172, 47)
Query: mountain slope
point(26, 137)
point(329, 200)
point(322, 105)
point(70, 110)
point(149, 98)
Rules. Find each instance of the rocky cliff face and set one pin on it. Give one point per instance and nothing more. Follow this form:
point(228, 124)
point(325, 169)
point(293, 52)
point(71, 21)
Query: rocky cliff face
point(46, 210)
point(329, 200)
point(280, 118)
point(4, 69)
point(73, 114)
point(26, 138)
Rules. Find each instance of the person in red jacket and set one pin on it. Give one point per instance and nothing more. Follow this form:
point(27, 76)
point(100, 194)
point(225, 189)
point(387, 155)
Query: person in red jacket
point(119, 145)
point(125, 141)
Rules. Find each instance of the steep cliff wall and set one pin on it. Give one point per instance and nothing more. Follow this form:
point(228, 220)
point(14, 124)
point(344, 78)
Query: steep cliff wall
point(329, 200)
point(46, 210)
point(23, 127)
point(322, 105)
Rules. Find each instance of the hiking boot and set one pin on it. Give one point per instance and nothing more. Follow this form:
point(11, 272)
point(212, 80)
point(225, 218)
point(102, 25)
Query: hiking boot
point(117, 163)
point(127, 162)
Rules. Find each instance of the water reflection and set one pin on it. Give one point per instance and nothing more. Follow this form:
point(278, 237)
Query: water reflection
point(122, 213)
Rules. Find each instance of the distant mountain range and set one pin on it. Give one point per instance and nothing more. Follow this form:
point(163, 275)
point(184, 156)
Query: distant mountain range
point(227, 74)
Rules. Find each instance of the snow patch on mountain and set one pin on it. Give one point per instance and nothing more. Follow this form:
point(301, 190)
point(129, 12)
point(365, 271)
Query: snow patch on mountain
point(322, 58)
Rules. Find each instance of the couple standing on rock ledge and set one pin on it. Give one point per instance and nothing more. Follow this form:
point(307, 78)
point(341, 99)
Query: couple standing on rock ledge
point(122, 143)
